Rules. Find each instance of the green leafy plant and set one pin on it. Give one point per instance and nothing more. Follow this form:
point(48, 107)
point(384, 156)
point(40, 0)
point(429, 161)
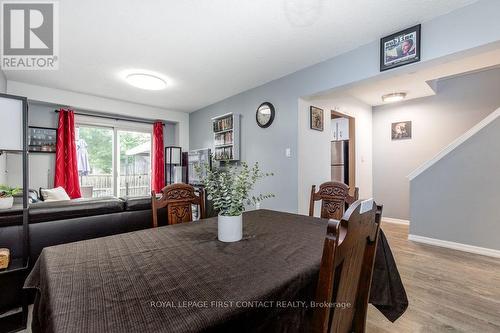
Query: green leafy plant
point(229, 187)
point(6, 191)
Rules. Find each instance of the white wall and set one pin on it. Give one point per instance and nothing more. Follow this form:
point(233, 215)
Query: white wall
point(314, 147)
point(101, 104)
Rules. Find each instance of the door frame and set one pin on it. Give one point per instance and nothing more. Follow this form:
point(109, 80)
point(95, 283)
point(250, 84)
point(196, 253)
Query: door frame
point(352, 147)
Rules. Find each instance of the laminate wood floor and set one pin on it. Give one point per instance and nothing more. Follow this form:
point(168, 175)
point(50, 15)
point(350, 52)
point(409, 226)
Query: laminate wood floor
point(448, 290)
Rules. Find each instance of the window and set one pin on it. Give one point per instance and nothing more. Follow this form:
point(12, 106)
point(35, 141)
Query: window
point(135, 163)
point(113, 159)
point(94, 151)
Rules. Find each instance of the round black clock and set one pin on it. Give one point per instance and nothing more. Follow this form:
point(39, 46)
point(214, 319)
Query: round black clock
point(265, 114)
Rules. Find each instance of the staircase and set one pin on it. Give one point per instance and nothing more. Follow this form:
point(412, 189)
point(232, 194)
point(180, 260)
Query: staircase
point(455, 196)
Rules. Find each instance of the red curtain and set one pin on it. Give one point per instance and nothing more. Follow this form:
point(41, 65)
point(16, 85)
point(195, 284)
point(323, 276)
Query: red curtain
point(158, 160)
point(66, 174)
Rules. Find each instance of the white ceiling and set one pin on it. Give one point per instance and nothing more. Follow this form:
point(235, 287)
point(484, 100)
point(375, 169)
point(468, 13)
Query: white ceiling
point(212, 49)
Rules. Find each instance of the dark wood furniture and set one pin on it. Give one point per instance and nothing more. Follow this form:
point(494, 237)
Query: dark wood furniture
point(185, 262)
point(334, 198)
point(346, 269)
point(178, 198)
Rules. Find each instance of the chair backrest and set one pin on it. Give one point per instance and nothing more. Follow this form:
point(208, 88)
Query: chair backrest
point(346, 269)
point(334, 197)
point(178, 199)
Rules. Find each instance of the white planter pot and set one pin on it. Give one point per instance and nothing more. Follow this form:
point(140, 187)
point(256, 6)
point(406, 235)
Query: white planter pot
point(229, 228)
point(6, 203)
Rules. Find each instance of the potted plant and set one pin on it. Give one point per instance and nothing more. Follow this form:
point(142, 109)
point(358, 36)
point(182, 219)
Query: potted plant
point(6, 196)
point(229, 189)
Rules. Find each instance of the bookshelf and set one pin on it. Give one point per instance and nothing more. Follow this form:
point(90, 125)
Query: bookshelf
point(226, 129)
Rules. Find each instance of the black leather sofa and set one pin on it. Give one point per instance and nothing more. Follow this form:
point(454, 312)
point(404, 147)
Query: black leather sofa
point(53, 223)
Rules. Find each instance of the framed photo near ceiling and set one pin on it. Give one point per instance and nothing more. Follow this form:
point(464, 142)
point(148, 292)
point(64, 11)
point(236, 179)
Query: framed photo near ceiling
point(401, 130)
point(316, 117)
point(401, 48)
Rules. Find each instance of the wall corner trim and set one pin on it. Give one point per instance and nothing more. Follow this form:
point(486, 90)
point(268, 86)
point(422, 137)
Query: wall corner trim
point(455, 246)
point(476, 128)
point(395, 221)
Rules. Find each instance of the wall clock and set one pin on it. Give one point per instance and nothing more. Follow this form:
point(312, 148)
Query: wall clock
point(265, 114)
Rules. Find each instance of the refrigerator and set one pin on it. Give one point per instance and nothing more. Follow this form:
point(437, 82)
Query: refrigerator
point(340, 161)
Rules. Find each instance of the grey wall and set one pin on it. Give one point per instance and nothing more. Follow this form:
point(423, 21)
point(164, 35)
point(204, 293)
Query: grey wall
point(42, 164)
point(41, 171)
point(472, 26)
point(460, 103)
point(3, 82)
point(266, 146)
point(462, 192)
point(169, 134)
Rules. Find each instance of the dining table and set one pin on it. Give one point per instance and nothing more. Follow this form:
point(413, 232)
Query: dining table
point(180, 278)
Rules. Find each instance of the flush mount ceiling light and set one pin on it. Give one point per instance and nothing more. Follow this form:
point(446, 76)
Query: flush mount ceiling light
point(146, 81)
point(394, 97)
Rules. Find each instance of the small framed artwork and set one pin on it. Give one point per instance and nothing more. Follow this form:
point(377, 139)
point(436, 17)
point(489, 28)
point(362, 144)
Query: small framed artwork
point(42, 139)
point(400, 49)
point(316, 116)
point(401, 130)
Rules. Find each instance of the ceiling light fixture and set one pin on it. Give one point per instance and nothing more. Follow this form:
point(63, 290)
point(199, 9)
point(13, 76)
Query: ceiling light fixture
point(394, 97)
point(146, 81)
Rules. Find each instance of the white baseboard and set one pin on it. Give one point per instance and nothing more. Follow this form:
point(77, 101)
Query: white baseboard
point(395, 221)
point(456, 246)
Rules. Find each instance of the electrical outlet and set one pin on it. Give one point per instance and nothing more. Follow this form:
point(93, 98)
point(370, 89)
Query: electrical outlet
point(288, 152)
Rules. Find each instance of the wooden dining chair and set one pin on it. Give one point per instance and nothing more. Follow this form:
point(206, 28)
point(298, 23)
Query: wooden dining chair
point(334, 198)
point(346, 269)
point(178, 198)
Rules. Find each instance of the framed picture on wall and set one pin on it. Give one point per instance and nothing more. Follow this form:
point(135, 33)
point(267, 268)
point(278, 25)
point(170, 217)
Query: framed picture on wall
point(401, 130)
point(42, 139)
point(316, 117)
point(400, 49)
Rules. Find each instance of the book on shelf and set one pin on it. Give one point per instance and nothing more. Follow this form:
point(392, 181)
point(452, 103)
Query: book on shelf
point(223, 124)
point(225, 138)
point(224, 153)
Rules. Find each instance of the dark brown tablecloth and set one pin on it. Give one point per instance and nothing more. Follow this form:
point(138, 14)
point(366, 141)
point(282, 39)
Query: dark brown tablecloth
point(144, 281)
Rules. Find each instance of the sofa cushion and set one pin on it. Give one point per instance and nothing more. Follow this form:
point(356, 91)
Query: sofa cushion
point(50, 211)
point(54, 194)
point(137, 203)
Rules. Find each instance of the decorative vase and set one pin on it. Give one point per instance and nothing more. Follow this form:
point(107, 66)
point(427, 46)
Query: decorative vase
point(6, 203)
point(229, 228)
